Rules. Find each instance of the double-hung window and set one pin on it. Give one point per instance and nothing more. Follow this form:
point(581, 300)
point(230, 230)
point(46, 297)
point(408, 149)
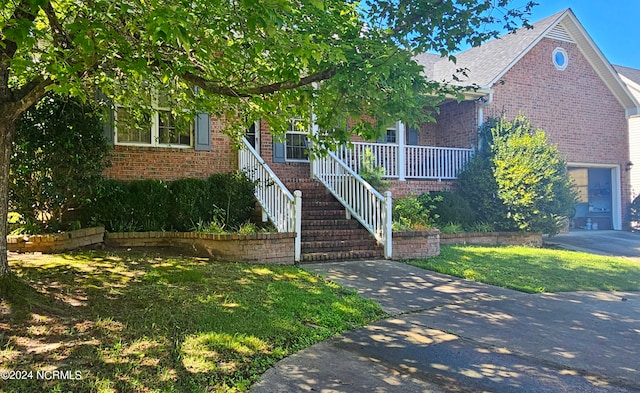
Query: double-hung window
point(158, 128)
point(297, 146)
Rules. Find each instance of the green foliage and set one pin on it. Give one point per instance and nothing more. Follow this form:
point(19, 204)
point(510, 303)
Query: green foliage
point(451, 207)
point(531, 176)
point(451, 227)
point(412, 213)
point(371, 173)
point(221, 202)
point(477, 184)
point(481, 227)
point(518, 181)
point(59, 155)
point(191, 203)
point(233, 193)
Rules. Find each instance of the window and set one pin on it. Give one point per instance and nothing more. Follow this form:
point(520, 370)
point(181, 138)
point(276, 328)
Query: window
point(252, 134)
point(560, 58)
point(296, 141)
point(391, 136)
point(160, 128)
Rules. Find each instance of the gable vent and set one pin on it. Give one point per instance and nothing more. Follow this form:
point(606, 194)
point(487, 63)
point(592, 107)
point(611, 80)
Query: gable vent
point(559, 33)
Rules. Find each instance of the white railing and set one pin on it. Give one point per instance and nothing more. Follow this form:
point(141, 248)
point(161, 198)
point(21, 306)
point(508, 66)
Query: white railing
point(421, 162)
point(361, 200)
point(278, 204)
point(428, 162)
point(385, 154)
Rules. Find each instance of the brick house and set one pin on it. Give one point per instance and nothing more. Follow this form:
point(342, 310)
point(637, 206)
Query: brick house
point(553, 73)
point(631, 77)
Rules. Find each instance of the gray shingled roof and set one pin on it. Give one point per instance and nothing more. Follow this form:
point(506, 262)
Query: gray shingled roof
point(633, 74)
point(490, 60)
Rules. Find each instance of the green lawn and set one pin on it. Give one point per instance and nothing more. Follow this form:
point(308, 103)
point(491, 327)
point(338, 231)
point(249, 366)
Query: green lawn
point(131, 322)
point(532, 270)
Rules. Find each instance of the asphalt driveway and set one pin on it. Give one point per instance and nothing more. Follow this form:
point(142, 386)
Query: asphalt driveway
point(452, 335)
point(616, 243)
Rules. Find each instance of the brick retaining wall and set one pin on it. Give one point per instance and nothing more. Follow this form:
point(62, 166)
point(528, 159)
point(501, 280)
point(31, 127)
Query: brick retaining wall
point(493, 238)
point(56, 242)
point(415, 244)
point(274, 248)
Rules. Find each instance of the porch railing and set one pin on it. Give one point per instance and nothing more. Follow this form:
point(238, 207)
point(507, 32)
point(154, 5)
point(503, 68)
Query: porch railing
point(409, 161)
point(278, 204)
point(385, 155)
point(360, 199)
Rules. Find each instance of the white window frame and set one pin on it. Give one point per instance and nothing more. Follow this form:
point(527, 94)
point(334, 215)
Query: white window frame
point(395, 135)
point(563, 52)
point(154, 127)
point(294, 131)
point(256, 126)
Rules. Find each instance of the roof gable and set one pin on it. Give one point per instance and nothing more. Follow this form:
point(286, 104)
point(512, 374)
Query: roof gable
point(486, 64)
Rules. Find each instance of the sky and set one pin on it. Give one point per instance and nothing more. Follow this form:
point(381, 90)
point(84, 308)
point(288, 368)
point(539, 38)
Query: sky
point(614, 25)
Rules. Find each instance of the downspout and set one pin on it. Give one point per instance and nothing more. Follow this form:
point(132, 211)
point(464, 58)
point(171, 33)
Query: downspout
point(483, 101)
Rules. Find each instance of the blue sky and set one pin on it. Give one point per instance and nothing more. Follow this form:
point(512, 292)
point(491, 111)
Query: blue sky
point(614, 25)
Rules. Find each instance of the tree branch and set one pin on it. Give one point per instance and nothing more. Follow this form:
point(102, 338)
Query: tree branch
point(258, 90)
point(28, 95)
point(60, 37)
point(8, 48)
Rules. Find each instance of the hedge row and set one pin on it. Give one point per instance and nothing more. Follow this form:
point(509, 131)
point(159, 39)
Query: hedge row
point(180, 205)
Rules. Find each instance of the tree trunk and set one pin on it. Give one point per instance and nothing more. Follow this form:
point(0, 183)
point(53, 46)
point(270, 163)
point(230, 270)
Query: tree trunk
point(7, 129)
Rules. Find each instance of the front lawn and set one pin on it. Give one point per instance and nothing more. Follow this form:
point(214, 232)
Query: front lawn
point(130, 322)
point(532, 270)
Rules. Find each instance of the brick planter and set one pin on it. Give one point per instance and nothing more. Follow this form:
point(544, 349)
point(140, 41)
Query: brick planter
point(493, 238)
point(275, 248)
point(56, 242)
point(415, 244)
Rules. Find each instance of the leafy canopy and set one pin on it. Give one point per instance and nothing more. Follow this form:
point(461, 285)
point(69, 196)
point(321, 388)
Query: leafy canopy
point(250, 59)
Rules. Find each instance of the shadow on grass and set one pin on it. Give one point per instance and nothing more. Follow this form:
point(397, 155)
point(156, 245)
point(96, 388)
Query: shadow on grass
point(140, 322)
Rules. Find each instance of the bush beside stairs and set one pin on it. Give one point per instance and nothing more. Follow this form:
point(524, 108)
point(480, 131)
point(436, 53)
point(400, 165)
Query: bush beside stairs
point(327, 235)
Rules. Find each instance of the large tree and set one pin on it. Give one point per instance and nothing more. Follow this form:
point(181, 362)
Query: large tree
point(250, 59)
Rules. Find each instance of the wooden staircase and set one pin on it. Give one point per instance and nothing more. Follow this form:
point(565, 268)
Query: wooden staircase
point(327, 235)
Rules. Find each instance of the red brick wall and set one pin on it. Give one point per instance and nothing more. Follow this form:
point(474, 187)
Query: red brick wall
point(133, 162)
point(285, 171)
point(574, 107)
point(401, 189)
point(457, 125)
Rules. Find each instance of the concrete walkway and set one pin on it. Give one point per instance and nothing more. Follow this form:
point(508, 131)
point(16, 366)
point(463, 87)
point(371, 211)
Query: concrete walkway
point(453, 335)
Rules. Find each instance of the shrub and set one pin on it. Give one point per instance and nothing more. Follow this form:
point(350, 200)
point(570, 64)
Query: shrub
point(234, 194)
point(451, 208)
point(150, 205)
point(224, 201)
point(517, 181)
point(451, 228)
point(59, 155)
point(531, 175)
point(371, 173)
point(110, 207)
point(190, 204)
point(410, 213)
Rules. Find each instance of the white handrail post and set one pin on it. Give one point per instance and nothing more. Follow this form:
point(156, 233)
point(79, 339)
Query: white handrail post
point(388, 225)
point(402, 151)
point(297, 194)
